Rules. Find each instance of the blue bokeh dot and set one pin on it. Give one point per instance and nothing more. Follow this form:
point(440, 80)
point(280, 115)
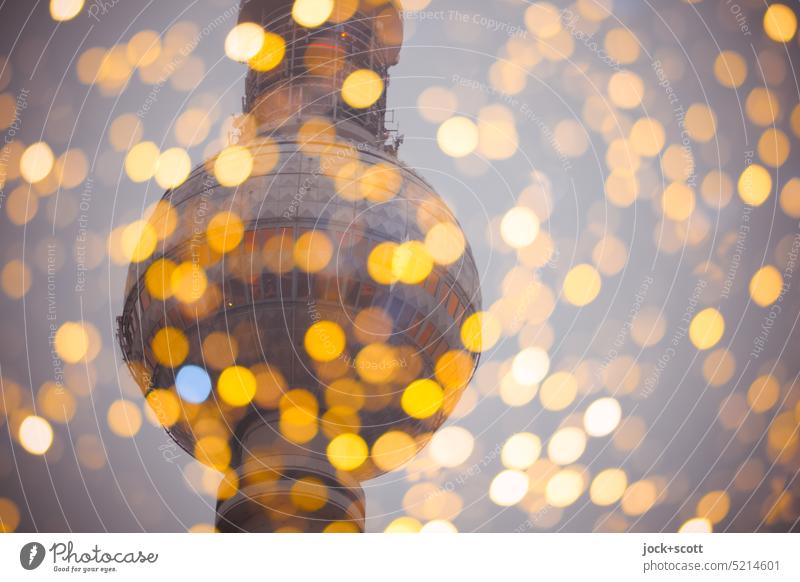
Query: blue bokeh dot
point(193, 384)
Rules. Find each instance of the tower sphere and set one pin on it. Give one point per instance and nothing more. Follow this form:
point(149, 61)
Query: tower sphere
point(299, 324)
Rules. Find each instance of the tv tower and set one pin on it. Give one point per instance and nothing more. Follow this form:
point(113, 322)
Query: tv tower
point(301, 325)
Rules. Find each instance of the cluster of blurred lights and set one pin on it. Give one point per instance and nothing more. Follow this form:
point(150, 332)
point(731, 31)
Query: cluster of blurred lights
point(535, 467)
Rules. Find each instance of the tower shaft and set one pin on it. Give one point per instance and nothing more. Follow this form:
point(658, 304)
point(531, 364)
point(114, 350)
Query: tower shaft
point(309, 79)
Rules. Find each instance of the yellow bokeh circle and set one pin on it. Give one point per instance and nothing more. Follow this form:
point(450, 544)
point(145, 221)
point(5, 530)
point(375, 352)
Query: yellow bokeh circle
point(325, 341)
point(225, 232)
point(582, 285)
point(362, 89)
point(411, 262)
point(707, 329)
point(422, 399)
point(237, 386)
point(766, 286)
point(780, 23)
point(347, 451)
